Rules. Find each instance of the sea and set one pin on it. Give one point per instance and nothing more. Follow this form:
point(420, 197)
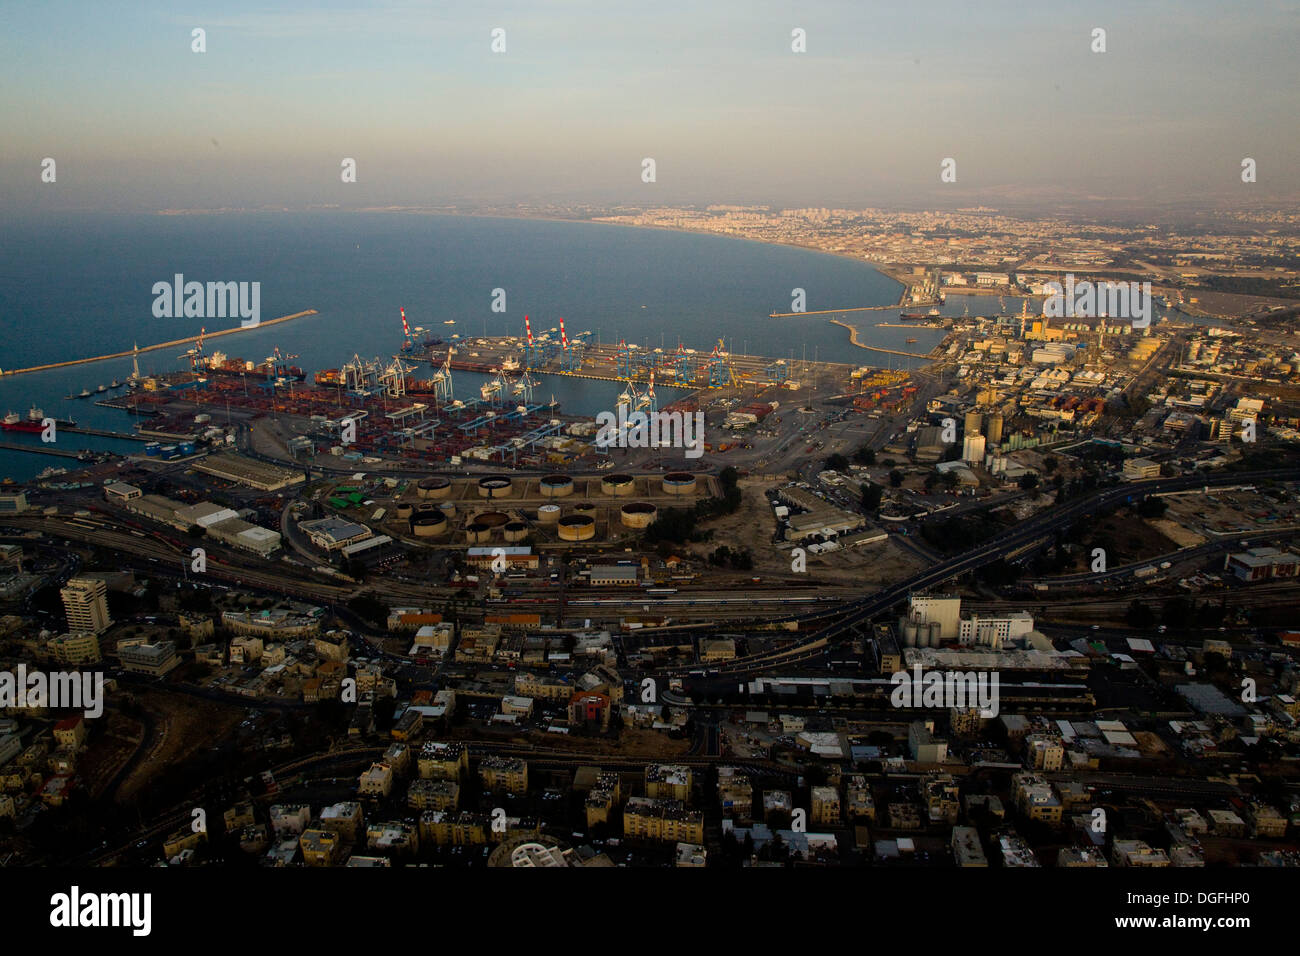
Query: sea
point(81, 285)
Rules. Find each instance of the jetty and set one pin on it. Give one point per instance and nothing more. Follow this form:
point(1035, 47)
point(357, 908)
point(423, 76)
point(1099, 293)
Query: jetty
point(853, 340)
point(159, 345)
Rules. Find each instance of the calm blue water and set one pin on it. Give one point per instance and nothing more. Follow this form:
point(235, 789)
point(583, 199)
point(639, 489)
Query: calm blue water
point(82, 286)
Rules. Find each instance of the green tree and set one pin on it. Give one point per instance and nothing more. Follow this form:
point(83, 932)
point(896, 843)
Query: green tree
point(872, 494)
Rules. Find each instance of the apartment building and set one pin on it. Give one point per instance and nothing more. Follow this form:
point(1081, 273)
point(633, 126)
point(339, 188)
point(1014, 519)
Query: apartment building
point(669, 821)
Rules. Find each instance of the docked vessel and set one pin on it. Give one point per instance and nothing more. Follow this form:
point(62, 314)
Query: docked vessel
point(13, 422)
point(218, 363)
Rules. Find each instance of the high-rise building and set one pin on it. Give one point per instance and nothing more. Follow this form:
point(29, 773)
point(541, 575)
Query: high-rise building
point(85, 602)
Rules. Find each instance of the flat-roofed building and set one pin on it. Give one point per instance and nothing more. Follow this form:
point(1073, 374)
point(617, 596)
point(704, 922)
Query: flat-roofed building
point(320, 847)
point(1137, 853)
point(77, 648)
point(333, 533)
point(669, 782)
point(443, 761)
point(669, 821)
point(393, 838)
point(735, 794)
point(345, 819)
point(377, 781)
point(616, 575)
point(1136, 469)
point(433, 795)
point(85, 602)
point(504, 773)
point(247, 471)
point(152, 659)
point(455, 827)
point(119, 491)
point(825, 807)
point(290, 819)
point(1044, 752)
point(859, 802)
point(1037, 799)
point(966, 848)
point(602, 798)
point(1262, 564)
point(1079, 856)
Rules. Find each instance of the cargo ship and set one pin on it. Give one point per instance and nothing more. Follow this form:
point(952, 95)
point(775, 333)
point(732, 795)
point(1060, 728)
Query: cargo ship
point(219, 364)
point(34, 422)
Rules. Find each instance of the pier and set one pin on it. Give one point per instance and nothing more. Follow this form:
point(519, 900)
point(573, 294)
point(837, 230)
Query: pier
point(853, 340)
point(864, 308)
point(103, 433)
point(160, 345)
point(41, 449)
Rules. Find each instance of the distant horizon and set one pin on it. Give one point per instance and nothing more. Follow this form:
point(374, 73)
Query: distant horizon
point(276, 103)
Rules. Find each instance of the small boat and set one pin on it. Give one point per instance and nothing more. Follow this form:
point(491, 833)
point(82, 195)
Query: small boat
point(102, 388)
point(84, 393)
point(450, 322)
point(116, 384)
point(911, 341)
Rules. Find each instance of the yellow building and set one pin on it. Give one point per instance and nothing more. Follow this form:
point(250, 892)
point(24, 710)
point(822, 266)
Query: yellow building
point(70, 733)
point(504, 773)
point(433, 795)
point(825, 807)
point(669, 821)
point(669, 782)
point(601, 798)
point(76, 648)
point(455, 828)
point(320, 847)
point(443, 761)
point(183, 839)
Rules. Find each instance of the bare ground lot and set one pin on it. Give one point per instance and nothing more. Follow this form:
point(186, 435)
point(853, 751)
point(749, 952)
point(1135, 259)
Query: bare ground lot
point(183, 725)
point(751, 528)
point(1126, 539)
point(111, 750)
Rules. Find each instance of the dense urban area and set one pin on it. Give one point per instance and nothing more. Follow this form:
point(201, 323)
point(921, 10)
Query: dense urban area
point(1024, 598)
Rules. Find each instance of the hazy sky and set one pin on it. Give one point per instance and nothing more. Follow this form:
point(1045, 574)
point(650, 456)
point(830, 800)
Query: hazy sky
point(585, 90)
